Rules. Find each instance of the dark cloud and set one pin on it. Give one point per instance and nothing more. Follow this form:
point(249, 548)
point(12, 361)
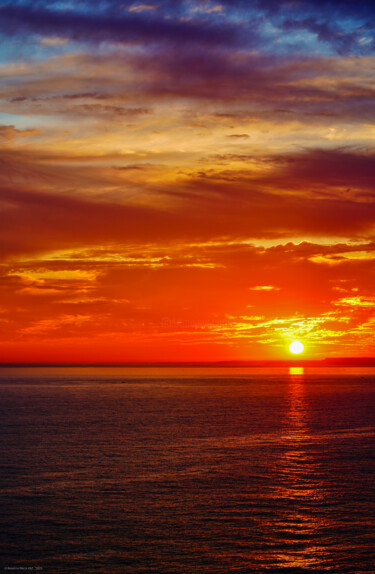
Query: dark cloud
point(123, 27)
point(309, 172)
point(338, 24)
point(330, 168)
point(263, 85)
point(239, 136)
point(330, 7)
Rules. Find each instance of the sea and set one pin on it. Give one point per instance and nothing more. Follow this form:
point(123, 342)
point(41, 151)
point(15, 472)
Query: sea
point(187, 470)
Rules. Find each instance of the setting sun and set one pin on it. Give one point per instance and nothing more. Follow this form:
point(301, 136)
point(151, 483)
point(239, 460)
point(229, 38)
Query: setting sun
point(296, 347)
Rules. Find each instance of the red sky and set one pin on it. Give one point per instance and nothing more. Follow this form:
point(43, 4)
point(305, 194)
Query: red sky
point(186, 184)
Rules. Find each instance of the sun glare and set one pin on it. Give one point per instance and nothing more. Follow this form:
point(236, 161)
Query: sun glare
point(296, 347)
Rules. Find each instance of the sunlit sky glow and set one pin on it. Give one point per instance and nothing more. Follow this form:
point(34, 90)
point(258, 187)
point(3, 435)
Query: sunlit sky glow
point(186, 181)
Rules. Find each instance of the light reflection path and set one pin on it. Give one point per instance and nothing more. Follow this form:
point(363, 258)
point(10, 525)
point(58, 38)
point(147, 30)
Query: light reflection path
point(299, 492)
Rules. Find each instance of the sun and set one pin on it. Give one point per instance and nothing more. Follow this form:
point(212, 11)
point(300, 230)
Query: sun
point(296, 347)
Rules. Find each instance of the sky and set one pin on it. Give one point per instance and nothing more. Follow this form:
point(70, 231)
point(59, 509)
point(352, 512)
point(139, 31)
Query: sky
point(186, 181)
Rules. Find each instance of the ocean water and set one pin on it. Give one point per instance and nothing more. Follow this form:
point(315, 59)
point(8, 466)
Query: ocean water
point(198, 471)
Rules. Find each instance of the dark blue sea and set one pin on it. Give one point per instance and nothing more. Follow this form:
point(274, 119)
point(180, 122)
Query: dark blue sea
point(187, 471)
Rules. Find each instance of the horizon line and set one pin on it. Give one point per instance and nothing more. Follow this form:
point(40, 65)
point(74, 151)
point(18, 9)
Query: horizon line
point(327, 361)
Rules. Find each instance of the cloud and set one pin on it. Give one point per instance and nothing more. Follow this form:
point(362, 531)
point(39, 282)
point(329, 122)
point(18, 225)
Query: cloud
point(53, 41)
point(10, 133)
point(329, 168)
point(264, 288)
point(64, 323)
point(186, 178)
point(236, 88)
point(339, 25)
point(239, 136)
point(344, 42)
point(141, 7)
point(303, 193)
point(356, 302)
point(187, 305)
point(126, 27)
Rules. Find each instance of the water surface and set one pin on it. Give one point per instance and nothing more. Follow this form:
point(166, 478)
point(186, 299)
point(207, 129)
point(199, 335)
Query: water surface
point(117, 471)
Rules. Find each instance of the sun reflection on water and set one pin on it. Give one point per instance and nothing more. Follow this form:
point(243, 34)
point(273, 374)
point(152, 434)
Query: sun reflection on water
point(300, 489)
point(296, 371)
